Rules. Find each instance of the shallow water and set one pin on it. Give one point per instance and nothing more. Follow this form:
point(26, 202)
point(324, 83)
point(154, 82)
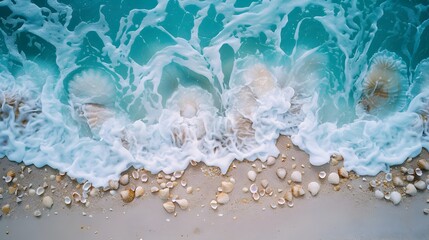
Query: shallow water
point(92, 88)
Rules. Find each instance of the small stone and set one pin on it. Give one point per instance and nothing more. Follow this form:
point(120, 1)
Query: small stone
point(222, 198)
point(343, 172)
point(397, 181)
point(5, 209)
point(313, 188)
point(379, 194)
point(139, 191)
point(271, 160)
point(281, 173)
point(113, 184)
point(411, 190)
point(48, 201)
point(31, 192)
point(124, 180)
point(127, 195)
point(251, 175)
point(334, 178)
point(420, 185)
point(423, 164)
point(169, 207)
point(410, 178)
point(227, 187)
point(37, 213)
point(296, 176)
point(395, 197)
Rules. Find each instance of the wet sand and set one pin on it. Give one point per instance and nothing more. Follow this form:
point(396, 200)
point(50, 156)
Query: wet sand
point(352, 212)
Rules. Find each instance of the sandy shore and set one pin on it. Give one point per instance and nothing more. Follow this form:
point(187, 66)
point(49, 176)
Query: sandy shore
point(349, 211)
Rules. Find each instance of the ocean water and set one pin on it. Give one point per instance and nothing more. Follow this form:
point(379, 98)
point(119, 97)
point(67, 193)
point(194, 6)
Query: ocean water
point(92, 88)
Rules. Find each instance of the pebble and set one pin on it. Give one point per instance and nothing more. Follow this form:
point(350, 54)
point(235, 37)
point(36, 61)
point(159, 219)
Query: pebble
point(395, 197)
point(5, 209)
point(296, 176)
point(410, 178)
point(227, 187)
point(420, 185)
point(313, 188)
point(411, 190)
point(31, 192)
point(334, 178)
point(169, 207)
point(251, 175)
point(37, 213)
point(124, 180)
point(222, 198)
point(379, 194)
point(423, 164)
point(271, 160)
point(48, 201)
point(139, 191)
point(397, 181)
point(127, 195)
point(281, 173)
point(343, 172)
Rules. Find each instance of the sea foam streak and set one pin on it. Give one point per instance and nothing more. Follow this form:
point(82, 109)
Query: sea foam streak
point(93, 89)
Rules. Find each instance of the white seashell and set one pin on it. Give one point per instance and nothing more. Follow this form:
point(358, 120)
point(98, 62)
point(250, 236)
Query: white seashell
point(296, 176)
point(164, 193)
point(144, 177)
point(31, 192)
point(379, 194)
point(395, 197)
point(397, 181)
point(213, 204)
point(373, 183)
point(8, 179)
point(251, 175)
point(388, 177)
point(423, 164)
point(76, 197)
point(47, 201)
point(86, 186)
point(178, 174)
point(343, 172)
point(322, 174)
point(154, 189)
point(256, 196)
point(261, 192)
point(269, 191)
point(333, 178)
point(288, 196)
point(127, 195)
point(183, 203)
point(271, 160)
point(227, 187)
point(113, 184)
point(169, 185)
point(253, 188)
point(124, 180)
point(313, 188)
point(419, 172)
point(169, 207)
point(183, 182)
point(290, 204)
point(281, 201)
point(281, 173)
point(273, 205)
point(139, 191)
point(411, 190)
point(222, 198)
point(189, 190)
point(420, 185)
point(37, 213)
point(67, 200)
point(387, 196)
point(264, 183)
point(135, 174)
point(40, 191)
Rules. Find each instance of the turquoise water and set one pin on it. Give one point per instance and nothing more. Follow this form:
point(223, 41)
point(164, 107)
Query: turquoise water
point(93, 88)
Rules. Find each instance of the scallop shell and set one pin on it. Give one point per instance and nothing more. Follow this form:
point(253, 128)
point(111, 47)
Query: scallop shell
point(313, 188)
point(296, 176)
point(271, 160)
point(139, 191)
point(385, 86)
point(251, 175)
point(281, 173)
point(124, 180)
point(222, 198)
point(127, 195)
point(227, 187)
point(164, 193)
point(169, 207)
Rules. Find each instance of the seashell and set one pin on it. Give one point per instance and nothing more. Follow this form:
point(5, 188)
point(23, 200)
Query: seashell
point(37, 213)
point(296, 176)
point(420, 185)
point(5, 209)
point(47, 201)
point(222, 198)
point(404, 170)
point(411, 190)
point(256, 196)
point(261, 192)
point(124, 179)
point(264, 183)
point(343, 172)
point(169, 185)
point(385, 86)
point(213, 204)
point(67, 200)
point(139, 191)
point(135, 174)
point(313, 188)
point(269, 191)
point(333, 178)
point(251, 175)
point(373, 183)
point(227, 187)
point(127, 195)
point(273, 205)
point(94, 192)
point(178, 174)
point(419, 172)
point(397, 181)
point(31, 192)
point(76, 197)
point(297, 191)
point(113, 184)
point(169, 207)
point(183, 203)
point(271, 160)
point(40, 191)
point(388, 177)
point(288, 196)
point(86, 186)
point(8, 179)
point(189, 190)
point(410, 178)
point(421, 81)
point(290, 204)
point(144, 177)
point(253, 188)
point(410, 171)
point(423, 164)
point(378, 194)
point(281, 201)
point(395, 197)
point(281, 173)
point(164, 193)
point(183, 182)
point(11, 174)
point(322, 174)
point(387, 196)
point(154, 189)
point(336, 157)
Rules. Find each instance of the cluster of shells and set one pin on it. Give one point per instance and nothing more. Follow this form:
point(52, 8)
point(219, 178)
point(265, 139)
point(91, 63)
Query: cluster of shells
point(406, 182)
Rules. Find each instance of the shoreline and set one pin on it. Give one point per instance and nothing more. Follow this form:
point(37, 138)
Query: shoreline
point(350, 211)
